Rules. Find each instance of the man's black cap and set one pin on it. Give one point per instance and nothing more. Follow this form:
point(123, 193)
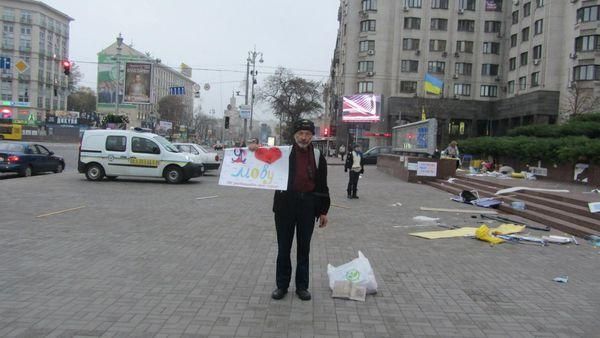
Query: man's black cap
point(304, 124)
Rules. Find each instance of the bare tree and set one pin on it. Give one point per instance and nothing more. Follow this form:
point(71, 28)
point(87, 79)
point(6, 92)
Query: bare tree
point(291, 98)
point(579, 101)
point(172, 108)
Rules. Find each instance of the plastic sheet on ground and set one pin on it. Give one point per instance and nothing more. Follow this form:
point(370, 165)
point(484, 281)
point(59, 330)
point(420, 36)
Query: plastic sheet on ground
point(483, 233)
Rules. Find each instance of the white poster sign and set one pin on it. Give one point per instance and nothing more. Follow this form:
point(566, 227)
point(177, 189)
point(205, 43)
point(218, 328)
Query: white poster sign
point(265, 168)
point(426, 168)
point(411, 166)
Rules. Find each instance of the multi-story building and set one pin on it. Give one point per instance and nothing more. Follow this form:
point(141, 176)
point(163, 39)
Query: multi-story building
point(35, 41)
point(163, 82)
point(503, 63)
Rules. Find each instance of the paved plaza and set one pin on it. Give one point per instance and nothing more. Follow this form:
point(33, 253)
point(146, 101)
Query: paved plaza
point(147, 259)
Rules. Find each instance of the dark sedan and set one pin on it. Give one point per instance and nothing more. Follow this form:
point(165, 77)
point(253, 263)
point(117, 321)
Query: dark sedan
point(28, 158)
point(370, 156)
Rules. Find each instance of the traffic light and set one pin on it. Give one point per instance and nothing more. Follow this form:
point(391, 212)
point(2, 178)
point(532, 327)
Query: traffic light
point(326, 132)
point(66, 67)
point(226, 122)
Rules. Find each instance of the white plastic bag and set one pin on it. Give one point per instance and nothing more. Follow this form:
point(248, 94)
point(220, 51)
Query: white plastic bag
point(358, 271)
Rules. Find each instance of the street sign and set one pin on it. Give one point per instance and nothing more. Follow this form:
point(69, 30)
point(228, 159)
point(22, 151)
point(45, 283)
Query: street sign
point(176, 90)
point(21, 66)
point(245, 111)
point(4, 62)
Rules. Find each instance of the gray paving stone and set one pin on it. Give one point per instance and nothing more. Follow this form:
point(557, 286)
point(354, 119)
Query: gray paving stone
point(198, 268)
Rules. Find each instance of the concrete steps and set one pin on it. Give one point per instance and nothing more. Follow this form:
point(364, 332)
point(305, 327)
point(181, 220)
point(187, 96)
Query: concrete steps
point(563, 213)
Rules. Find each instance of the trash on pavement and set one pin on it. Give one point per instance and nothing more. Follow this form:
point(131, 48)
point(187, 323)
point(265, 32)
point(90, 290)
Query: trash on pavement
point(345, 289)
point(558, 239)
point(483, 233)
point(520, 238)
point(509, 220)
point(514, 189)
point(467, 231)
point(425, 219)
point(594, 240)
point(397, 204)
point(472, 197)
point(561, 279)
point(358, 271)
point(518, 205)
point(594, 207)
point(451, 179)
point(489, 212)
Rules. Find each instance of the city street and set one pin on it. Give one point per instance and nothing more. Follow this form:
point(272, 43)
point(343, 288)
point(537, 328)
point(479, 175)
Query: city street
point(143, 258)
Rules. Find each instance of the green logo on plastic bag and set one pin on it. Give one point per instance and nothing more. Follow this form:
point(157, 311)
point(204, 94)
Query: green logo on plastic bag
point(353, 275)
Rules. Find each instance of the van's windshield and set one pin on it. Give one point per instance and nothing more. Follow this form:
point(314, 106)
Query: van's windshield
point(168, 145)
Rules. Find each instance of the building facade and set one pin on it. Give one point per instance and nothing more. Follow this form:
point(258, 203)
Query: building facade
point(503, 63)
point(161, 83)
point(35, 41)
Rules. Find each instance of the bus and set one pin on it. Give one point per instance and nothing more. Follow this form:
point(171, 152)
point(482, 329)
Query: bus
point(10, 131)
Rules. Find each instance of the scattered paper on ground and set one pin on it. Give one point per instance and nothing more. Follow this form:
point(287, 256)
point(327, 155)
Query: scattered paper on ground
point(514, 189)
point(483, 233)
point(207, 197)
point(468, 231)
point(425, 219)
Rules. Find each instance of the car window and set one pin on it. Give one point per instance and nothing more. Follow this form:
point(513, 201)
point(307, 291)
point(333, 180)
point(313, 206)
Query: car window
point(143, 145)
point(183, 148)
point(168, 145)
point(42, 150)
point(5, 146)
point(202, 149)
point(116, 143)
point(194, 150)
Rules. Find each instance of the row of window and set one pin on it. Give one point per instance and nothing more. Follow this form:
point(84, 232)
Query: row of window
point(526, 11)
point(27, 17)
point(586, 14)
point(436, 24)
point(440, 46)
point(469, 5)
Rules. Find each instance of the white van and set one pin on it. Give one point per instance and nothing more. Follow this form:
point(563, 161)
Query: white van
point(114, 153)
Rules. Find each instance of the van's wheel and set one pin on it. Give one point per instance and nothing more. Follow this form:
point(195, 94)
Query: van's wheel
point(26, 172)
point(59, 168)
point(94, 172)
point(173, 174)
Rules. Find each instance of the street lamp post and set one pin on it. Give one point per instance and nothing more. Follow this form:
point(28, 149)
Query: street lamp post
point(119, 48)
point(252, 55)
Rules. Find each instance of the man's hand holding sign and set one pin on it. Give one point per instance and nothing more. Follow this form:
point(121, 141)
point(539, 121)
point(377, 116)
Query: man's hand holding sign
point(298, 174)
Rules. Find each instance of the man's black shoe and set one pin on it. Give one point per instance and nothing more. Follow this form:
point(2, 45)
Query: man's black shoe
point(354, 196)
point(278, 293)
point(303, 294)
point(349, 196)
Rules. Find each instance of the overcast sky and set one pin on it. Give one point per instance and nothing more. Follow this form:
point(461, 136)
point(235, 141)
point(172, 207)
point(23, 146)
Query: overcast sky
point(213, 37)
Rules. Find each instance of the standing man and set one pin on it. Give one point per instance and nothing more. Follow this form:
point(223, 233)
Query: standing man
point(296, 209)
point(356, 164)
point(342, 151)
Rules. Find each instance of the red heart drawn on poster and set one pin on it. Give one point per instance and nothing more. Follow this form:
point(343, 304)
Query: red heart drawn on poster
point(268, 155)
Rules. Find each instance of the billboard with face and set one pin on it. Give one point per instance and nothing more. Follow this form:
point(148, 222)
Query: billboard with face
point(137, 82)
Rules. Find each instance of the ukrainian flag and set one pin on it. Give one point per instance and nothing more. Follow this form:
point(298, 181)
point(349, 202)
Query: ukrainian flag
point(433, 85)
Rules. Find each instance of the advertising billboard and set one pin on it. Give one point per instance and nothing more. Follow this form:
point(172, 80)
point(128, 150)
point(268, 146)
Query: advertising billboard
point(361, 108)
point(137, 82)
point(417, 137)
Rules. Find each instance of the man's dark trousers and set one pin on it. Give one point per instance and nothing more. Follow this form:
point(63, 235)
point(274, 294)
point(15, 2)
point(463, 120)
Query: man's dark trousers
point(299, 215)
point(353, 182)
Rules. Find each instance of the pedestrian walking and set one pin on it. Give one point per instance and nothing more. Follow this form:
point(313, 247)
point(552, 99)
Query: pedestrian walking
point(355, 163)
point(342, 151)
point(306, 199)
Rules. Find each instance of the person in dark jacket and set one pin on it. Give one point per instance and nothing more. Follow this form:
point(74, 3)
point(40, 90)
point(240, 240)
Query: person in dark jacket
point(356, 164)
point(296, 209)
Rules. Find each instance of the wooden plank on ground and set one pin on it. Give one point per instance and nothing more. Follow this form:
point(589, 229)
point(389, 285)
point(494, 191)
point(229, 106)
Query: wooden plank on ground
point(475, 211)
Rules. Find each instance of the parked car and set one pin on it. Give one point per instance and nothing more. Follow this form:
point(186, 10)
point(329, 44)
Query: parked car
point(209, 159)
point(113, 153)
point(370, 156)
point(27, 159)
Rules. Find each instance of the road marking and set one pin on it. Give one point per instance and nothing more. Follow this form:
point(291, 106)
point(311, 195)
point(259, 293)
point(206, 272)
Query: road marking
point(206, 197)
point(59, 212)
point(339, 206)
